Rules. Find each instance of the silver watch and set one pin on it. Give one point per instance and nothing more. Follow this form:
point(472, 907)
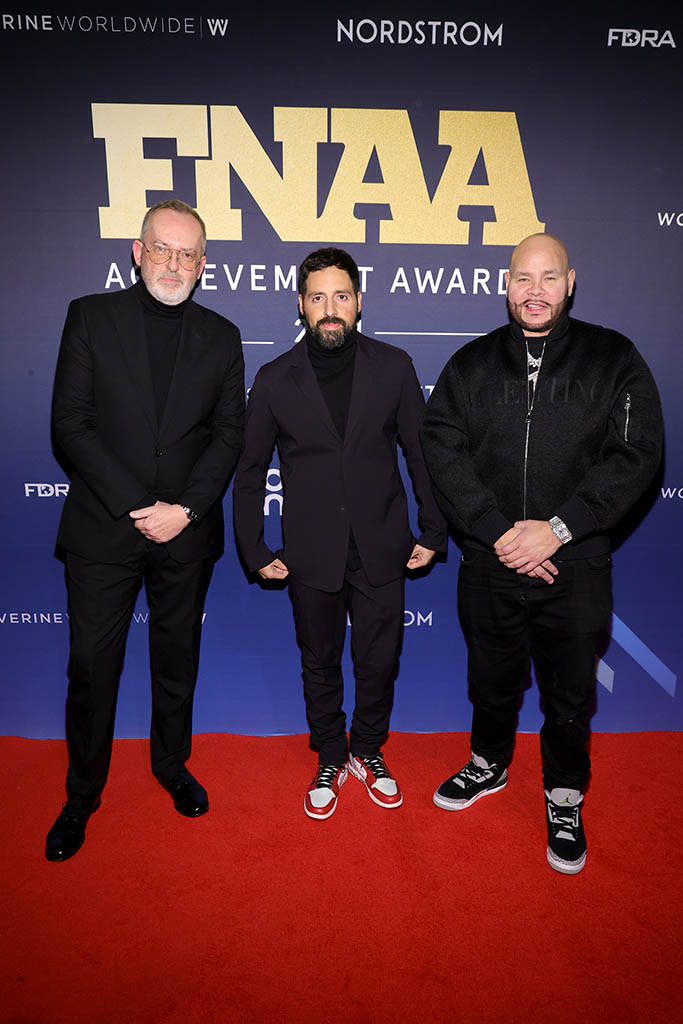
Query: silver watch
point(193, 515)
point(561, 531)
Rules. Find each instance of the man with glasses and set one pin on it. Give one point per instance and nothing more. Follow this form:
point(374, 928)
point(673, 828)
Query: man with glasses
point(148, 415)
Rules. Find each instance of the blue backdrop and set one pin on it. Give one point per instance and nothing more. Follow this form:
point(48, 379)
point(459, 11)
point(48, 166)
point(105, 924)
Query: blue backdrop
point(427, 143)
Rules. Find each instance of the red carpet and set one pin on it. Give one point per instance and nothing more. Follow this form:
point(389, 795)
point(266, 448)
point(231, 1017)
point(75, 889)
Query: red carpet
point(254, 913)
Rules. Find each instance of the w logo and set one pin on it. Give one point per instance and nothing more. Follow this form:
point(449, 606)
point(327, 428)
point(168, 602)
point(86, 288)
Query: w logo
point(217, 26)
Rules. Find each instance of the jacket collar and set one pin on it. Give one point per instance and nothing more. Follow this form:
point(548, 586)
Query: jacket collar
point(363, 380)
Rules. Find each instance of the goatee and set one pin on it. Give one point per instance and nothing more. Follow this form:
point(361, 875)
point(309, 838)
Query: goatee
point(554, 317)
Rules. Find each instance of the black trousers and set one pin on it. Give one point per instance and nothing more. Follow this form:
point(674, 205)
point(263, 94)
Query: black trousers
point(508, 621)
point(101, 603)
point(376, 615)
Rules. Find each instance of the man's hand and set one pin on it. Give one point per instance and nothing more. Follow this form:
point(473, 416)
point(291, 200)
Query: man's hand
point(533, 545)
point(506, 538)
point(420, 557)
point(160, 522)
point(545, 571)
point(275, 570)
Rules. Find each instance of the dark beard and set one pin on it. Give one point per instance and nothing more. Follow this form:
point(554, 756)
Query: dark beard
point(545, 327)
point(331, 340)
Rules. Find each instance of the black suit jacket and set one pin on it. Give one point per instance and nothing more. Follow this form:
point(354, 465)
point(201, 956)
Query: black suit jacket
point(119, 456)
point(333, 485)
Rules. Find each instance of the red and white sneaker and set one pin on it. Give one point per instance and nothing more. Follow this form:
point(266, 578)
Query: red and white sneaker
point(378, 780)
point(321, 798)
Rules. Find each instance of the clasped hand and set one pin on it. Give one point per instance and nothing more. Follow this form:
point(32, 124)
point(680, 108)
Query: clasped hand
point(527, 548)
point(160, 522)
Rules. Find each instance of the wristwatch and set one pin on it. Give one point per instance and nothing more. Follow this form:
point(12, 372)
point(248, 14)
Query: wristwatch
point(193, 515)
point(561, 531)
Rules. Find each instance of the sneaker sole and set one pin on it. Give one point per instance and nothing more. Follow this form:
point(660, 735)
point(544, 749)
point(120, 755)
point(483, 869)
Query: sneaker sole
point(375, 800)
point(319, 817)
point(565, 867)
point(459, 805)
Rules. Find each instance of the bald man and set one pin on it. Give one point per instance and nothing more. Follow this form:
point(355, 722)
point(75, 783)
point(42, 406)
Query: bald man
point(538, 438)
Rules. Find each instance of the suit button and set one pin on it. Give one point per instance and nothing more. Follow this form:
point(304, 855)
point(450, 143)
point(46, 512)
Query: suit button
point(158, 452)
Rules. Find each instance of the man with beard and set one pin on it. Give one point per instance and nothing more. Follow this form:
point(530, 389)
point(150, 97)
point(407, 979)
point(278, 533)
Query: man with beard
point(336, 405)
point(148, 414)
point(538, 438)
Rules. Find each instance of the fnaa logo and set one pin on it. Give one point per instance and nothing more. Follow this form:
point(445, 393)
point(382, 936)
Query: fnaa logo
point(631, 37)
point(299, 201)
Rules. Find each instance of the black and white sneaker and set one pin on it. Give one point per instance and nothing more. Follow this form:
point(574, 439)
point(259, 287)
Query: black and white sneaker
point(566, 839)
point(478, 778)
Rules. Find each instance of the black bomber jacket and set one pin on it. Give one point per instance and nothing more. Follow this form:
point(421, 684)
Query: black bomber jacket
point(594, 434)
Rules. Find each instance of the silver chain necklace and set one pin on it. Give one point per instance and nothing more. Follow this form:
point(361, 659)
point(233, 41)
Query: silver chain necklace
point(533, 369)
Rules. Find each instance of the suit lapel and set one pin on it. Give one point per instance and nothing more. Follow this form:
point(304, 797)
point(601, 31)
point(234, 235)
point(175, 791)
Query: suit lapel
point(303, 375)
point(131, 331)
point(361, 390)
point(186, 357)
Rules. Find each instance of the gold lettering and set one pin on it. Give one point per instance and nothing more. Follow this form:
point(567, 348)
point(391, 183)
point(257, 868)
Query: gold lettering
point(496, 134)
point(123, 126)
point(403, 187)
point(288, 200)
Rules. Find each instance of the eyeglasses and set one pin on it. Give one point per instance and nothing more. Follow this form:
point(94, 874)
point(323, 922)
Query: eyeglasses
point(187, 258)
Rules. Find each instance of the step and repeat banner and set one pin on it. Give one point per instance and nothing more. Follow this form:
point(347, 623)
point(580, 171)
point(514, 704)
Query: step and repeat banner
point(427, 139)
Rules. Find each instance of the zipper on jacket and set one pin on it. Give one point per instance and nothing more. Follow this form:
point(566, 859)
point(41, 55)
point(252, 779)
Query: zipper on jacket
point(526, 457)
point(627, 410)
point(530, 403)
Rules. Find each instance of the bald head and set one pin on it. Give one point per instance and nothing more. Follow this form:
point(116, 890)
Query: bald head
point(552, 249)
point(539, 283)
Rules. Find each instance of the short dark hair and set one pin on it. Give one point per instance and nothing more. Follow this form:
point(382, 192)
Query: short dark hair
point(321, 259)
point(178, 206)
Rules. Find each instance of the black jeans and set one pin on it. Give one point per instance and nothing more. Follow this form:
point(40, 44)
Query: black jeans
point(376, 632)
point(101, 603)
point(508, 621)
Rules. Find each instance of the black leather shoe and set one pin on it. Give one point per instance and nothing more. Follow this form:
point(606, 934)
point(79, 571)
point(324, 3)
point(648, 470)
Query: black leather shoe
point(189, 796)
point(67, 835)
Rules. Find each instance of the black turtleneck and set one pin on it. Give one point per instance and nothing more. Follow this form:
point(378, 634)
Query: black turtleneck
point(163, 326)
point(334, 371)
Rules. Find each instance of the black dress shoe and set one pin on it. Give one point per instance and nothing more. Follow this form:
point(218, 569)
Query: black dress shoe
point(189, 796)
point(67, 835)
